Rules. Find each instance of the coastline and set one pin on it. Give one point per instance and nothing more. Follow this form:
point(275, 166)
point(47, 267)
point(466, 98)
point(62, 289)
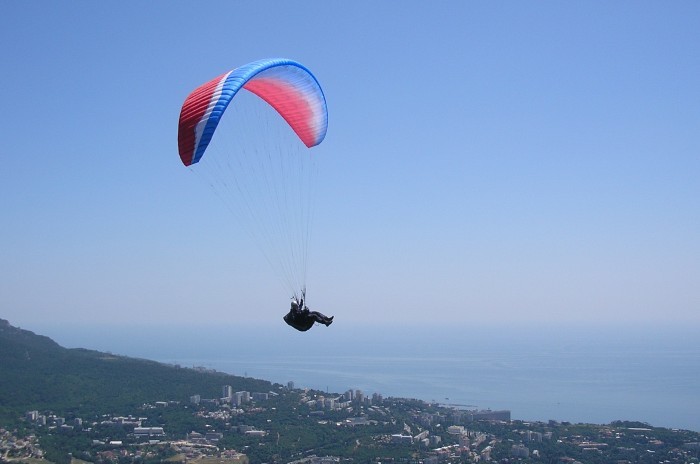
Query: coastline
point(575, 375)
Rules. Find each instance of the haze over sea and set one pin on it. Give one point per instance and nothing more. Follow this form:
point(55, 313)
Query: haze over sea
point(581, 374)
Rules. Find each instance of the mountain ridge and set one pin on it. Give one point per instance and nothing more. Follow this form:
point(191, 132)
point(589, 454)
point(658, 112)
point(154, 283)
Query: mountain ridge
point(36, 373)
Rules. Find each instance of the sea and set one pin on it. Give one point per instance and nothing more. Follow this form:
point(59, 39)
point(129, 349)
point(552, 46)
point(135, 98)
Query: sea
point(572, 374)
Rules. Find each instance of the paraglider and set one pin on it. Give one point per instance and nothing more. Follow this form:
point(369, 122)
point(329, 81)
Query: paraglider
point(302, 318)
point(267, 185)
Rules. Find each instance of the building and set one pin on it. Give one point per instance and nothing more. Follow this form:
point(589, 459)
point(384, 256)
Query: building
point(359, 396)
point(242, 397)
point(142, 432)
point(195, 436)
point(424, 434)
point(519, 451)
point(329, 403)
point(402, 439)
point(227, 391)
point(213, 436)
point(353, 421)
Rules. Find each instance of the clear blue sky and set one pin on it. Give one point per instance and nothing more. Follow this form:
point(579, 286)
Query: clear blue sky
point(503, 163)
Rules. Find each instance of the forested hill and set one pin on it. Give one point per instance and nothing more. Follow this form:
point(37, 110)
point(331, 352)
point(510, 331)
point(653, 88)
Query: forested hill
point(36, 373)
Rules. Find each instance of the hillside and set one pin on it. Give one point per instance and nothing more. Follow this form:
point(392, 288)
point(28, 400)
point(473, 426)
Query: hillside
point(36, 373)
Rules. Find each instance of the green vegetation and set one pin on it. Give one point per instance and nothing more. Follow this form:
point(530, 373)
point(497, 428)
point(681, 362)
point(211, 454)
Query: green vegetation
point(36, 374)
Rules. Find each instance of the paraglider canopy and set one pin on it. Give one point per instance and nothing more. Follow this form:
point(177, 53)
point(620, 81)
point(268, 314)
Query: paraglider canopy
point(286, 85)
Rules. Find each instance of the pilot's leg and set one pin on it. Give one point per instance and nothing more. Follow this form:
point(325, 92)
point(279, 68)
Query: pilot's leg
point(321, 318)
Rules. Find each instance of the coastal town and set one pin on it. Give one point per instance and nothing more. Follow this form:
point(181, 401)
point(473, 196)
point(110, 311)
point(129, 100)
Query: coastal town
point(243, 427)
